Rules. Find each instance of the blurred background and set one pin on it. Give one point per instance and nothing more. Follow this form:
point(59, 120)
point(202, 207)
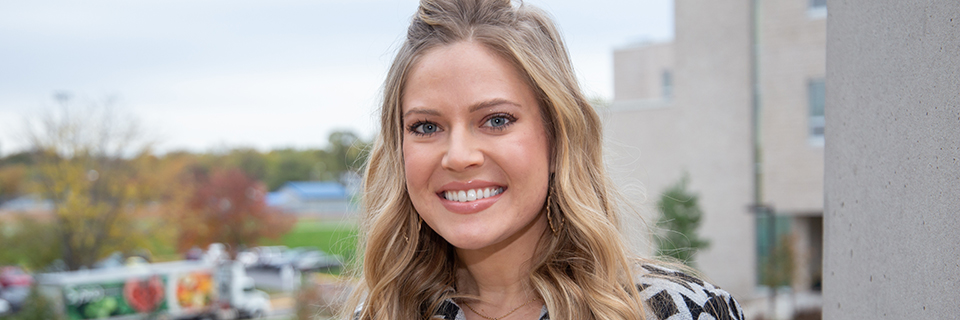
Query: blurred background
point(215, 147)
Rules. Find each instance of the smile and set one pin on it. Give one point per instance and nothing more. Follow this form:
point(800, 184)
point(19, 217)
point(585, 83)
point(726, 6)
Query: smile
point(471, 194)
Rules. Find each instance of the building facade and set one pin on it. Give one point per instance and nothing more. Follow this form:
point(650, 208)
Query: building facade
point(736, 103)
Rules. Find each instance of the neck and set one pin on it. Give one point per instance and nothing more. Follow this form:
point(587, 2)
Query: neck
point(499, 275)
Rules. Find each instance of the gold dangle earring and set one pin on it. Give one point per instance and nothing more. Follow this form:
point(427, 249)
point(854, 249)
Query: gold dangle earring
point(549, 217)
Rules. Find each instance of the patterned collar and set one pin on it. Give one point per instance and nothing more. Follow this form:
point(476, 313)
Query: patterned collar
point(450, 310)
point(668, 294)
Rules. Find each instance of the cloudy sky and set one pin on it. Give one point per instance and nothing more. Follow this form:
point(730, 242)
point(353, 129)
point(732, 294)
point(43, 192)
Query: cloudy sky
point(202, 75)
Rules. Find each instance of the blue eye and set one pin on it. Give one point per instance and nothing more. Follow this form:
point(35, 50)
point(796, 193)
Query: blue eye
point(424, 128)
point(427, 128)
point(499, 121)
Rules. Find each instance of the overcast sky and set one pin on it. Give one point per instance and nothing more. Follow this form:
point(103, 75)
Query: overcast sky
point(266, 74)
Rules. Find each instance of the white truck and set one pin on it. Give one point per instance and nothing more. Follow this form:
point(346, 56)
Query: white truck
point(169, 290)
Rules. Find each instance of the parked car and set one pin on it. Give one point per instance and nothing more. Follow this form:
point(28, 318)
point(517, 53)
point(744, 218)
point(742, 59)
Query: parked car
point(216, 252)
point(114, 260)
point(12, 276)
point(16, 286)
point(247, 258)
point(307, 259)
point(268, 256)
point(194, 253)
point(5, 308)
point(317, 260)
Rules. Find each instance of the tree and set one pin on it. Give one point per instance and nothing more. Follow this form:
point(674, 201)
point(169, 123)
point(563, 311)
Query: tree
point(347, 151)
point(679, 219)
point(293, 165)
point(778, 267)
point(230, 208)
point(12, 177)
point(93, 164)
point(36, 246)
point(250, 161)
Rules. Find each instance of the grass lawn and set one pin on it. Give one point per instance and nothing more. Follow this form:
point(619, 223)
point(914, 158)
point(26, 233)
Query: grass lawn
point(330, 235)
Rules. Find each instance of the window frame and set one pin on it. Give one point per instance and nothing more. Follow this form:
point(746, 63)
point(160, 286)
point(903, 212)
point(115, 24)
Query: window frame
point(816, 110)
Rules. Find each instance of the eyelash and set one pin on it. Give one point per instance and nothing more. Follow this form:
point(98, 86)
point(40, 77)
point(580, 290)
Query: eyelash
point(413, 128)
point(509, 117)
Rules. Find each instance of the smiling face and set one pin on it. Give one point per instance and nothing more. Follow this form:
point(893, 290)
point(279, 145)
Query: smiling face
point(475, 151)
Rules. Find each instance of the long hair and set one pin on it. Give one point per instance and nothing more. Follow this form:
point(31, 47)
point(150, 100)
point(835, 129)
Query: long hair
point(583, 271)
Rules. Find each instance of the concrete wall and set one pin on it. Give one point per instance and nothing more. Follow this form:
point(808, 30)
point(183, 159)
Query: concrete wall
point(892, 173)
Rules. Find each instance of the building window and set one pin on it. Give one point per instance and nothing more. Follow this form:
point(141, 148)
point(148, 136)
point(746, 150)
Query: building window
point(816, 95)
point(817, 9)
point(666, 81)
point(773, 232)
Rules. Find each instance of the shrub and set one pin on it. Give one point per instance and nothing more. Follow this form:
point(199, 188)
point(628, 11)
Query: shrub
point(680, 217)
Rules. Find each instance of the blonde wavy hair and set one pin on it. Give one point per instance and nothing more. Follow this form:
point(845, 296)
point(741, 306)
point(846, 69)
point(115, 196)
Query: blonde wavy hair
point(584, 271)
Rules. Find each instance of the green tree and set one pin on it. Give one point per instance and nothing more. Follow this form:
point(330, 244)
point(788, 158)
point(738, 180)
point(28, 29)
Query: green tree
point(292, 165)
point(35, 242)
point(250, 161)
point(94, 165)
point(348, 151)
point(680, 217)
point(777, 268)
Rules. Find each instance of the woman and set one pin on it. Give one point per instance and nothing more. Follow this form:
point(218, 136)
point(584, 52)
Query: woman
point(485, 193)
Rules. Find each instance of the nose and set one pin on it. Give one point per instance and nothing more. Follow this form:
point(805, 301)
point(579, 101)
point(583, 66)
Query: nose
point(462, 152)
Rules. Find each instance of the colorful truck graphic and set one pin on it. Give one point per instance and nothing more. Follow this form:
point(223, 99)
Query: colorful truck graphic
point(115, 298)
point(181, 289)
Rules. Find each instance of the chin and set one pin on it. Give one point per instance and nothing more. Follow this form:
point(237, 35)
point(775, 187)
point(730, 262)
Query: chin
point(467, 241)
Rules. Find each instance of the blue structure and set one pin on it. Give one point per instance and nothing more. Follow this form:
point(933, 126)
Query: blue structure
point(312, 197)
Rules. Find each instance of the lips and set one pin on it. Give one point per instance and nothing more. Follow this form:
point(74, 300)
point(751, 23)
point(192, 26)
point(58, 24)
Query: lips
point(471, 194)
point(470, 197)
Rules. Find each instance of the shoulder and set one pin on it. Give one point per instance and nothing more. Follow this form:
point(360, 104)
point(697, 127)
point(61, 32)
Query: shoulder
point(674, 295)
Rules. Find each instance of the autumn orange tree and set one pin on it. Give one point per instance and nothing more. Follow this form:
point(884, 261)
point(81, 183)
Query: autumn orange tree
point(229, 207)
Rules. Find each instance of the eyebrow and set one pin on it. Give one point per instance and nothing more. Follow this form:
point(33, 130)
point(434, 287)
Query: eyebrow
point(491, 103)
point(473, 108)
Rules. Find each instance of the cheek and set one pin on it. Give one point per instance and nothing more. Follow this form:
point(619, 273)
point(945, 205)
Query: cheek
point(533, 147)
point(416, 168)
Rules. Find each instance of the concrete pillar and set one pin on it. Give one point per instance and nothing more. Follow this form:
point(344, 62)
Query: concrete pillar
point(892, 173)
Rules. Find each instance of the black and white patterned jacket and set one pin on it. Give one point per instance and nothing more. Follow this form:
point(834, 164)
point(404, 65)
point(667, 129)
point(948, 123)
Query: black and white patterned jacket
point(669, 295)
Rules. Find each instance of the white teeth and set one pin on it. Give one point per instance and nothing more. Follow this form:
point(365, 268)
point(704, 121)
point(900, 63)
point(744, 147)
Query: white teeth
point(471, 195)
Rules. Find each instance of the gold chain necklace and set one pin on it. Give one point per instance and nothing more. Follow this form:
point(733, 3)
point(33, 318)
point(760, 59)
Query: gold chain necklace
point(500, 317)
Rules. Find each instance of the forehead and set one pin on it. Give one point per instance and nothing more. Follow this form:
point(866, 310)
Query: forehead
point(462, 73)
